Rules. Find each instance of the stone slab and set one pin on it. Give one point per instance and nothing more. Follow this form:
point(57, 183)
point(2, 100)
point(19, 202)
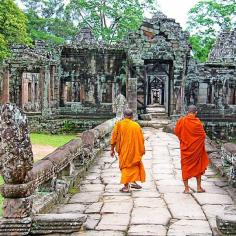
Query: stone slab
point(99, 233)
point(73, 208)
point(92, 221)
point(117, 199)
point(213, 199)
point(92, 188)
point(156, 216)
point(149, 202)
point(171, 189)
point(147, 194)
point(117, 207)
point(114, 222)
point(85, 198)
point(175, 198)
point(94, 208)
point(147, 230)
point(184, 210)
point(190, 228)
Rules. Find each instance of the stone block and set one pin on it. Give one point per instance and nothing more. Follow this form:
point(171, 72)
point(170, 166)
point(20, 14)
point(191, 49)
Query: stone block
point(17, 207)
point(190, 228)
point(147, 230)
point(156, 216)
point(114, 222)
point(57, 223)
point(226, 221)
point(13, 227)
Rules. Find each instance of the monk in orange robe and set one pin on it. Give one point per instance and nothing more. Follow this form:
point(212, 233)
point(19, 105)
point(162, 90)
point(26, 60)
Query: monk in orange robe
point(128, 141)
point(194, 159)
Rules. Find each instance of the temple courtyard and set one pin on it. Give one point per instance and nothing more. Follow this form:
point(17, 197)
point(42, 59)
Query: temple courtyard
point(160, 208)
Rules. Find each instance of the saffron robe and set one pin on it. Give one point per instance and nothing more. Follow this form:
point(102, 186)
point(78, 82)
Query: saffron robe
point(128, 139)
point(191, 134)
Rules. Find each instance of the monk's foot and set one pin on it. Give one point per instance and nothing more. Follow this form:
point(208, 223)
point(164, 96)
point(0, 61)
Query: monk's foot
point(125, 189)
point(201, 190)
point(136, 186)
point(186, 191)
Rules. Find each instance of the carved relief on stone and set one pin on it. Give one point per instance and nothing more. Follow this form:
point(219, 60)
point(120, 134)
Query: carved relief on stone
point(119, 105)
point(17, 158)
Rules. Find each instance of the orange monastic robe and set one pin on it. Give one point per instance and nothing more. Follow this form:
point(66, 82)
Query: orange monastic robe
point(128, 137)
point(194, 159)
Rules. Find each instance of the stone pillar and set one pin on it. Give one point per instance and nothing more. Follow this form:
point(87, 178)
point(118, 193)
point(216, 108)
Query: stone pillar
point(5, 89)
point(52, 78)
point(41, 86)
point(18, 187)
point(93, 65)
point(82, 93)
point(44, 91)
point(132, 95)
point(62, 93)
point(24, 89)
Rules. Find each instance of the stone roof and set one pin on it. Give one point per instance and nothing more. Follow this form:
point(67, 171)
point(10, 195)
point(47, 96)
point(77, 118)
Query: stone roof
point(224, 50)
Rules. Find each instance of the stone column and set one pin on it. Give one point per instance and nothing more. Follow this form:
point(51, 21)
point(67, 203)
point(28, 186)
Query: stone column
point(5, 88)
point(44, 91)
point(52, 77)
point(24, 89)
point(18, 187)
point(62, 93)
point(132, 95)
point(82, 93)
point(41, 86)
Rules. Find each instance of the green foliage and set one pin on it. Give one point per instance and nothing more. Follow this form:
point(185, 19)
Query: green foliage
point(13, 27)
point(205, 20)
point(51, 140)
point(109, 20)
point(68, 126)
point(47, 21)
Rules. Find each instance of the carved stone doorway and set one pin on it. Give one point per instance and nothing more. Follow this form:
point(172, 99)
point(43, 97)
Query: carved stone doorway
point(155, 80)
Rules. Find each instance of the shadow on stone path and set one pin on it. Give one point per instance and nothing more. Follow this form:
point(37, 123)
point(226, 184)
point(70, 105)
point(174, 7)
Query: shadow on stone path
point(160, 208)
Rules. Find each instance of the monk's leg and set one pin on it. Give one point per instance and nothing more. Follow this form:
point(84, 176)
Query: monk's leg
point(186, 186)
point(199, 185)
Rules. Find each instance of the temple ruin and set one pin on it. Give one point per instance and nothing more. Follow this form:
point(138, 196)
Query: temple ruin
point(79, 82)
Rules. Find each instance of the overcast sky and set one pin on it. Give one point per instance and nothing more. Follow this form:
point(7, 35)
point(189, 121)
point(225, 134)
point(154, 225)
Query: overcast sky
point(177, 9)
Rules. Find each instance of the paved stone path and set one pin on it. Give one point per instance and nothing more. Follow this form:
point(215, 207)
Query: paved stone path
point(160, 208)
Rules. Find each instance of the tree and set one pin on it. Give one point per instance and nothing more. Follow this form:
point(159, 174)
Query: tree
point(109, 20)
point(47, 21)
point(205, 21)
point(13, 27)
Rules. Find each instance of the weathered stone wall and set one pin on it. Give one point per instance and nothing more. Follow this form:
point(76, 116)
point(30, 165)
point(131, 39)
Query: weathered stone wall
point(160, 40)
point(52, 176)
point(212, 87)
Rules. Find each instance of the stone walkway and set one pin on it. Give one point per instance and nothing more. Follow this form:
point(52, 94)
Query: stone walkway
point(160, 208)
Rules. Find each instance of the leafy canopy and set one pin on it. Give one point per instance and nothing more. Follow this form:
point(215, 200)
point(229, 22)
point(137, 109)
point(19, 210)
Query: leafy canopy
point(47, 21)
point(109, 20)
point(205, 20)
point(13, 27)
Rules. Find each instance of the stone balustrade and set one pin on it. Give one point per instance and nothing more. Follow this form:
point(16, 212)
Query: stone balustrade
point(32, 189)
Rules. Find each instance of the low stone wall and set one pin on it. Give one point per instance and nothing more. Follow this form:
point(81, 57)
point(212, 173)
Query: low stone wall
point(38, 124)
point(47, 182)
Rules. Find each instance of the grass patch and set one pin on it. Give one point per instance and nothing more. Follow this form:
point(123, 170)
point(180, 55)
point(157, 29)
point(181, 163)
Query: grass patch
point(51, 140)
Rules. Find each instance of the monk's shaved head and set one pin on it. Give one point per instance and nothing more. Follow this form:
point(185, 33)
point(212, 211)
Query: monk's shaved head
point(128, 113)
point(192, 109)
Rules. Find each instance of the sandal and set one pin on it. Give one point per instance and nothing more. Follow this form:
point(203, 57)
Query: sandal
point(124, 190)
point(201, 191)
point(136, 186)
